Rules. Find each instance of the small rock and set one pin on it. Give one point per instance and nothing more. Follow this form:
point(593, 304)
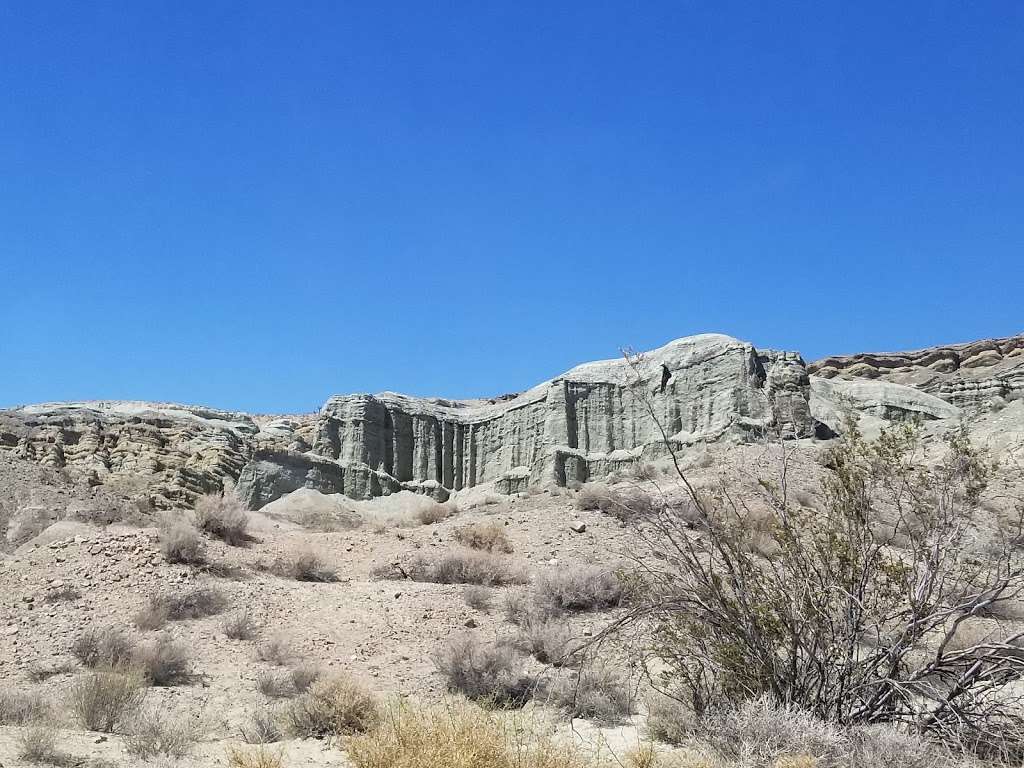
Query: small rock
point(577, 526)
point(470, 623)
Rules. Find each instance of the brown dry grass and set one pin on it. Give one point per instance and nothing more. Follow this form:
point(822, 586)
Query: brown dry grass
point(459, 736)
point(260, 757)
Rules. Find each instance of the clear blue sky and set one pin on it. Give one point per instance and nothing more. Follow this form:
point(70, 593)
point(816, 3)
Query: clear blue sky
point(256, 205)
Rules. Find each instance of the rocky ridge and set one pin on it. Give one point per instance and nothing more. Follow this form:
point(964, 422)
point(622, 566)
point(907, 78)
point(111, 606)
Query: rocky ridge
point(586, 423)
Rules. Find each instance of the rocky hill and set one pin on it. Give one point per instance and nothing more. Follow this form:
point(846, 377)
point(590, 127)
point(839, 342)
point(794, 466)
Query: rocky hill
point(583, 424)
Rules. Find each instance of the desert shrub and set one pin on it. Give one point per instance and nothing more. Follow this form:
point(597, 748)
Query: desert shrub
point(547, 640)
point(65, 593)
point(103, 647)
point(476, 597)
point(261, 757)
point(304, 565)
point(332, 706)
point(432, 513)
point(304, 675)
point(163, 661)
point(884, 745)
point(223, 517)
point(151, 616)
point(262, 728)
point(818, 625)
point(668, 719)
point(759, 732)
point(623, 504)
point(181, 543)
point(195, 603)
point(241, 625)
point(489, 537)
point(596, 693)
point(158, 731)
point(580, 588)
point(276, 650)
point(37, 743)
point(466, 567)
point(101, 700)
point(458, 736)
point(275, 685)
point(620, 504)
point(518, 607)
point(490, 673)
point(21, 708)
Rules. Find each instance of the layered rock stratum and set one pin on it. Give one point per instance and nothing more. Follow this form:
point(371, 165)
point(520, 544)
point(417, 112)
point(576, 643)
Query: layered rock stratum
point(594, 419)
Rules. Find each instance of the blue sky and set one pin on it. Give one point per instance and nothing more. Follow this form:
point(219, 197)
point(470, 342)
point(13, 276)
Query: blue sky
point(256, 205)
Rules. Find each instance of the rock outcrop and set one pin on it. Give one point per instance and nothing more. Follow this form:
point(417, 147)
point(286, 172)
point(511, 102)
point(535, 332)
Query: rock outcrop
point(967, 375)
point(172, 452)
point(590, 421)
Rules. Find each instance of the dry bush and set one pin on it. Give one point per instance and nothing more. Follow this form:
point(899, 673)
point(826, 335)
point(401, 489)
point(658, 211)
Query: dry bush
point(223, 517)
point(195, 603)
point(262, 728)
point(103, 647)
point(433, 513)
point(835, 621)
point(338, 705)
point(241, 625)
point(181, 543)
point(289, 683)
point(491, 673)
point(596, 693)
point(580, 588)
point(489, 537)
point(517, 605)
point(65, 593)
point(163, 662)
point(275, 685)
point(759, 732)
point(152, 616)
point(668, 719)
point(261, 757)
point(21, 708)
point(276, 650)
point(101, 700)
point(459, 736)
point(620, 504)
point(304, 565)
point(37, 743)
point(476, 597)
point(304, 675)
point(466, 567)
point(157, 731)
point(547, 640)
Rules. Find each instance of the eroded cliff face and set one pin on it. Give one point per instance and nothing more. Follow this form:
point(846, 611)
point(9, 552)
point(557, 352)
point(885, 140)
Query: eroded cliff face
point(967, 375)
point(171, 452)
point(591, 420)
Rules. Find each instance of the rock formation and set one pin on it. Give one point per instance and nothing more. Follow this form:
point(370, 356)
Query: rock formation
point(592, 420)
point(967, 375)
